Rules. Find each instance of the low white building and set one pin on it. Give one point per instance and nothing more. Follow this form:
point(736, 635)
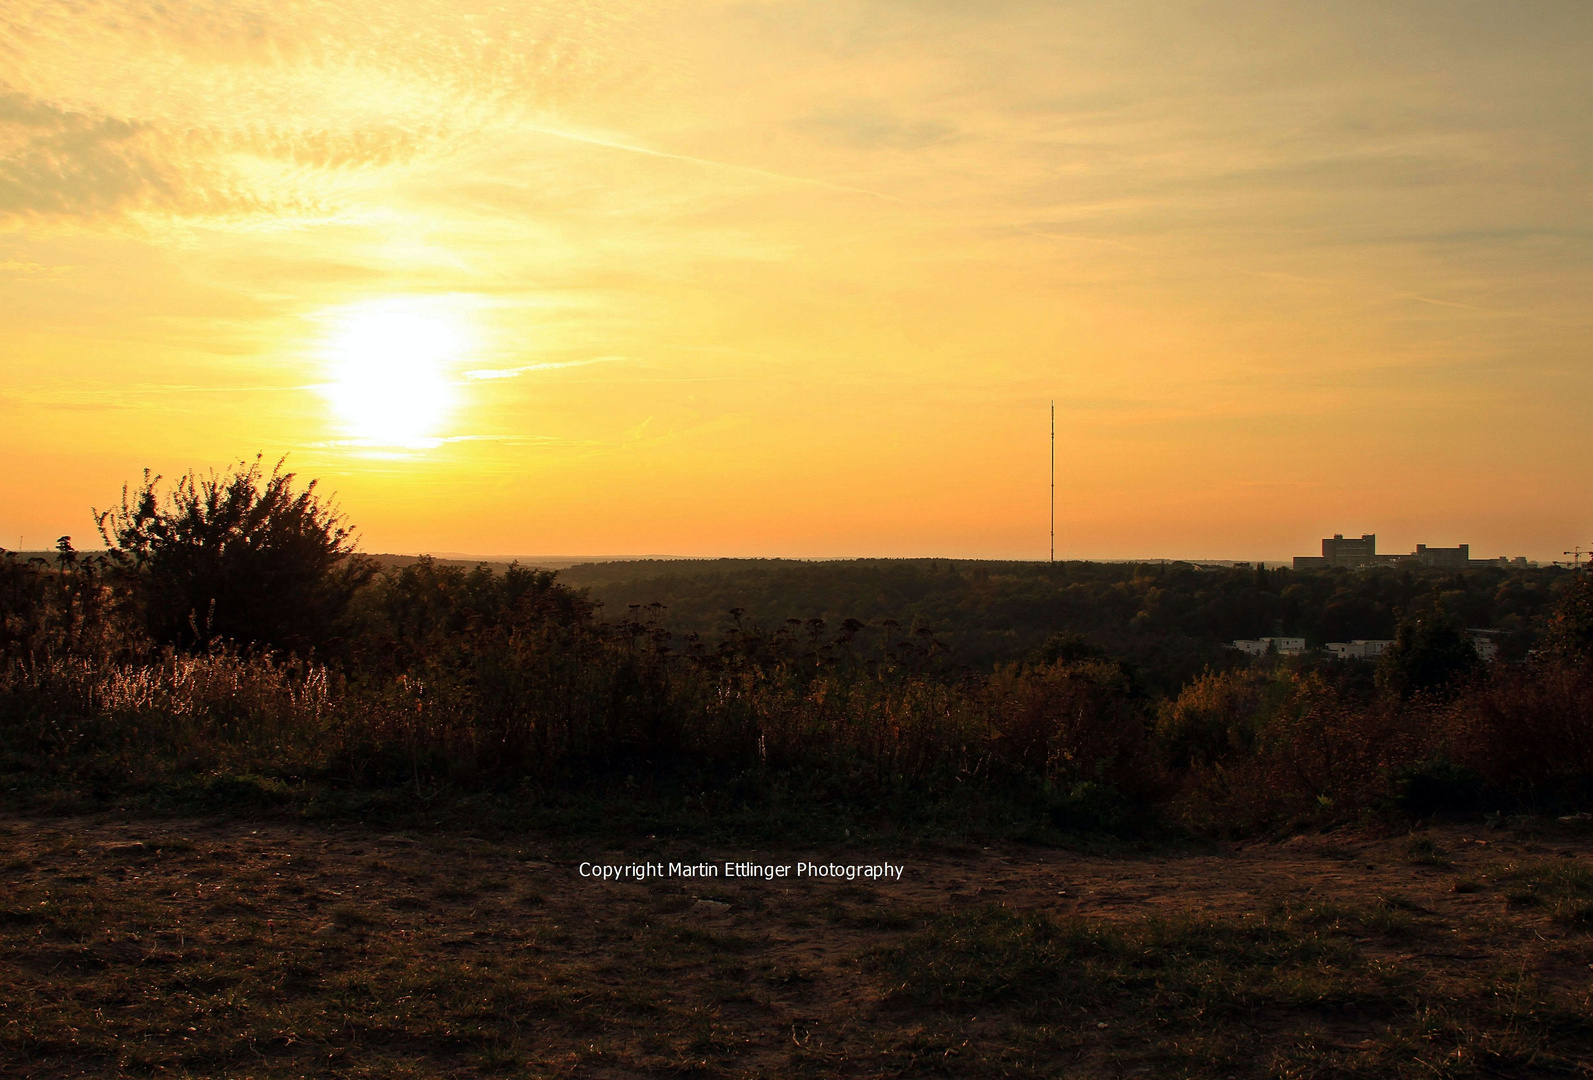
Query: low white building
point(1359, 649)
point(1483, 641)
point(1284, 646)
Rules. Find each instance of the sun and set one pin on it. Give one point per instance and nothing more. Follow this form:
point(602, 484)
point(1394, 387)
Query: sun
point(390, 365)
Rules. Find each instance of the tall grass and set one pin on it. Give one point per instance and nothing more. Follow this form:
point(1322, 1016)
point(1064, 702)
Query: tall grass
point(512, 682)
point(544, 711)
point(140, 721)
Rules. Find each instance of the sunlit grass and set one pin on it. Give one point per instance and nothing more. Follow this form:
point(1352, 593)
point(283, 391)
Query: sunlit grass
point(1562, 887)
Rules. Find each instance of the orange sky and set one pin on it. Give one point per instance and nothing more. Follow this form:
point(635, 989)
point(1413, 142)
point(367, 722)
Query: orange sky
point(775, 278)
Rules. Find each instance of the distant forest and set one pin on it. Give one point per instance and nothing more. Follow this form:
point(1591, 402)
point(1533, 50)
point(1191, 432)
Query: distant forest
point(1170, 620)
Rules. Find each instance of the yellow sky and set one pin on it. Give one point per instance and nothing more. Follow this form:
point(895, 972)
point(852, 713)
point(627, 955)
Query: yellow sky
point(775, 278)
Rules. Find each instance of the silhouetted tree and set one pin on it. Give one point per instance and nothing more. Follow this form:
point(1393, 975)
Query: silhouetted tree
point(1569, 638)
point(1429, 657)
point(1067, 647)
point(237, 556)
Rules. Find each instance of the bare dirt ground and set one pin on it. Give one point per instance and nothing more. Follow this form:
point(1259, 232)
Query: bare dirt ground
point(228, 948)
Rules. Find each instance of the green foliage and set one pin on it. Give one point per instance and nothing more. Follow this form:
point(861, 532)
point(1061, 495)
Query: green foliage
point(1570, 632)
point(1429, 657)
point(1564, 886)
point(989, 955)
point(1068, 722)
point(59, 607)
point(1214, 718)
point(1069, 647)
point(1425, 788)
point(1169, 621)
point(1424, 851)
point(239, 556)
point(407, 615)
point(1528, 730)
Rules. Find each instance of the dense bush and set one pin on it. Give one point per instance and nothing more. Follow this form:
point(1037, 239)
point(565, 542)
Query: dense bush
point(1529, 731)
point(1314, 756)
point(1569, 638)
point(239, 556)
point(1214, 718)
point(1430, 657)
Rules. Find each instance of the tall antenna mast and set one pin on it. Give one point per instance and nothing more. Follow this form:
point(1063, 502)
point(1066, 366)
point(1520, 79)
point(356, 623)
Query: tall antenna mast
point(1053, 480)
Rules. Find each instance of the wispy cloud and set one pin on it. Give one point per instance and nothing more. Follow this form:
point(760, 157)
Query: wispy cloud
point(18, 268)
point(610, 142)
point(61, 161)
point(870, 126)
point(516, 372)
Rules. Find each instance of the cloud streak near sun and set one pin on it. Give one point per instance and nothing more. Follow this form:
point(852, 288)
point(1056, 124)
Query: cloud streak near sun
point(487, 374)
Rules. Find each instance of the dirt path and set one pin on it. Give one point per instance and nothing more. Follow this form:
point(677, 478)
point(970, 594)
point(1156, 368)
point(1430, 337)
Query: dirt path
point(230, 948)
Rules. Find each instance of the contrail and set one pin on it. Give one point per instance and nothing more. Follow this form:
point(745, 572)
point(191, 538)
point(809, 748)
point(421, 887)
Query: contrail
point(1497, 313)
point(1449, 303)
point(612, 144)
point(1046, 235)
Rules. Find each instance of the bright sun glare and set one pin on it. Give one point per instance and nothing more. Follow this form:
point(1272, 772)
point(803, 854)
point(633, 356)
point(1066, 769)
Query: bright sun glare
point(390, 372)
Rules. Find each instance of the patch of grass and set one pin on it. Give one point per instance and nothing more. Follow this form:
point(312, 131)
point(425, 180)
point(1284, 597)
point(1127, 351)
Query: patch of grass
point(989, 955)
point(672, 903)
point(348, 916)
point(1424, 851)
point(1175, 997)
point(1391, 916)
point(133, 974)
point(883, 918)
point(1317, 913)
point(787, 974)
point(457, 892)
point(1445, 1041)
point(1563, 886)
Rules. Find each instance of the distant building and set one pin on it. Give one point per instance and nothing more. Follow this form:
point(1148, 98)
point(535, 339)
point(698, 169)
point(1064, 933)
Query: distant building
point(1504, 562)
point(1455, 556)
point(1483, 641)
point(1359, 649)
point(1343, 550)
point(1339, 550)
point(1283, 646)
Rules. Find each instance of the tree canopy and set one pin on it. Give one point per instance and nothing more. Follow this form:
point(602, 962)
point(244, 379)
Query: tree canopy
point(238, 555)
